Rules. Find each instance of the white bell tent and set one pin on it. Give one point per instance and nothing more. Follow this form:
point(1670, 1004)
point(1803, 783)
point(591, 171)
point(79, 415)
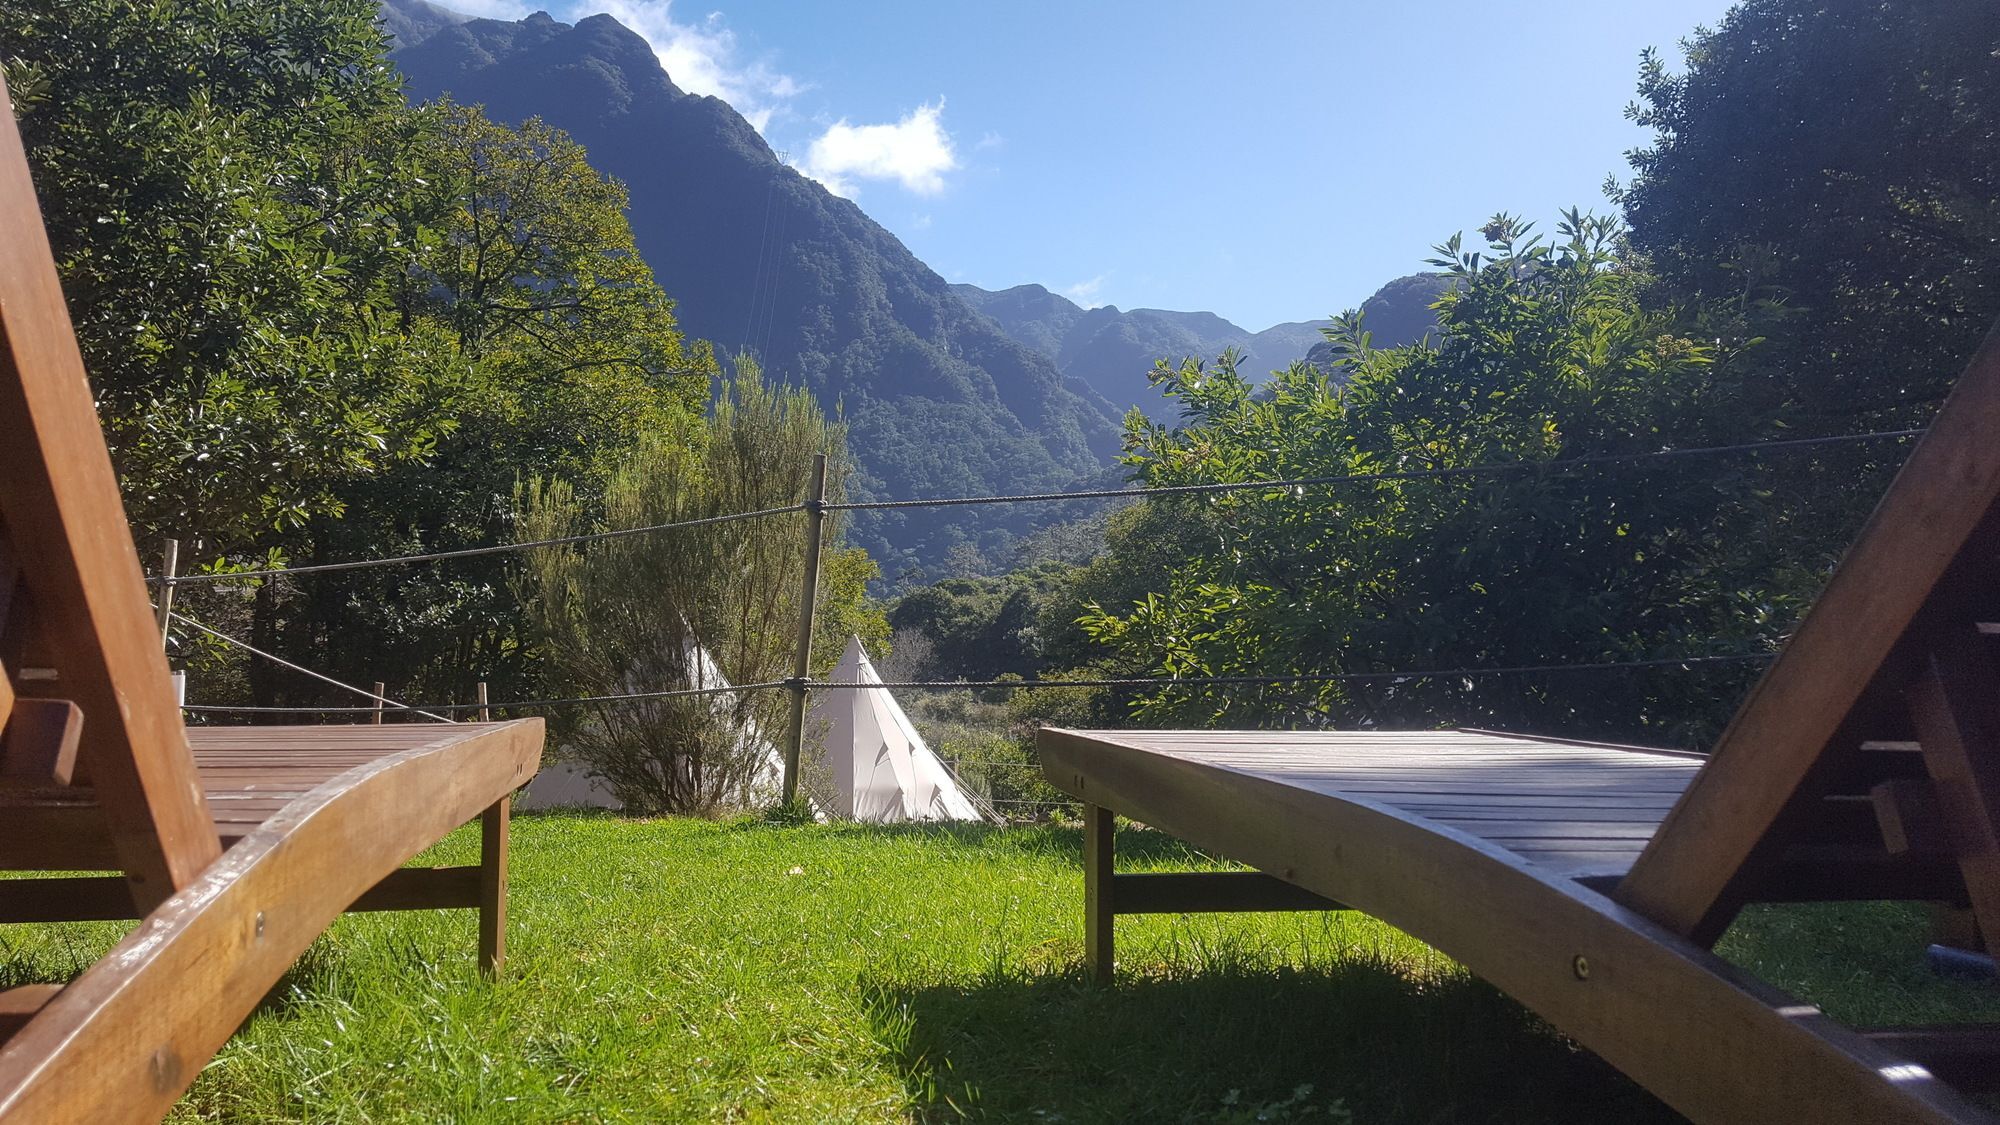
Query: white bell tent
point(881, 770)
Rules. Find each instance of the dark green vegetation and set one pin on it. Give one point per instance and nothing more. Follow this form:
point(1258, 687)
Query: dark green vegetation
point(1827, 171)
point(1544, 352)
point(1809, 252)
point(938, 400)
point(1825, 179)
point(677, 608)
point(766, 261)
point(685, 970)
point(326, 325)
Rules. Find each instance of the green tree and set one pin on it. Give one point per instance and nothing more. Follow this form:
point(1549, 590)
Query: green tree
point(637, 614)
point(325, 325)
point(1828, 171)
point(540, 346)
point(1543, 352)
point(978, 628)
point(220, 219)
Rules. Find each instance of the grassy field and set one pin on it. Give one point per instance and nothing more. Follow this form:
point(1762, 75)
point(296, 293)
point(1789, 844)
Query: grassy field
point(688, 970)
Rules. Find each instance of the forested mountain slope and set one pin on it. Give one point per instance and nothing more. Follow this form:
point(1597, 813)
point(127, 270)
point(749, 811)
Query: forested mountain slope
point(1112, 350)
point(763, 260)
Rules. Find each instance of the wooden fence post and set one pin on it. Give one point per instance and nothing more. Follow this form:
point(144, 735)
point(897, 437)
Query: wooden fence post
point(485, 716)
point(808, 606)
point(380, 689)
point(170, 563)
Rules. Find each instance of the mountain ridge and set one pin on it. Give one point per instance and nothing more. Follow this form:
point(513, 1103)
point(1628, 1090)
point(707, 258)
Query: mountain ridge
point(1112, 350)
point(947, 389)
point(762, 260)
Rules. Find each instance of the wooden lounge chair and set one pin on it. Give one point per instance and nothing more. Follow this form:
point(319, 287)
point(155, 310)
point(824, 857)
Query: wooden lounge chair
point(1590, 881)
point(236, 852)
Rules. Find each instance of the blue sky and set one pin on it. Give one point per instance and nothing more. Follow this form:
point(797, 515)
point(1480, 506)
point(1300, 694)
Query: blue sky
point(1266, 161)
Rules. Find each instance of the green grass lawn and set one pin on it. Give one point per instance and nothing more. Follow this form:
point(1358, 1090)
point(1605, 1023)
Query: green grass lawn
point(689, 970)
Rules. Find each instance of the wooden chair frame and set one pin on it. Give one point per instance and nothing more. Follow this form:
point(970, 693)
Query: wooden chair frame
point(1886, 701)
point(98, 772)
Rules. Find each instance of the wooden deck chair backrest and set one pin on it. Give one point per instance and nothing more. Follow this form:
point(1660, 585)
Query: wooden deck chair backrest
point(1892, 655)
point(73, 592)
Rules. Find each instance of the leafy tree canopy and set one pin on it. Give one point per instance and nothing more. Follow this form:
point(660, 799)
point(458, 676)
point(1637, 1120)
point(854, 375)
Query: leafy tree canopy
point(327, 325)
point(1544, 352)
point(1831, 170)
point(677, 609)
point(219, 212)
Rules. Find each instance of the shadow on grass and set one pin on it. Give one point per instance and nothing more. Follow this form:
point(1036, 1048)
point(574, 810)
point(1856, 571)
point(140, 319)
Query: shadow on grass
point(1359, 1039)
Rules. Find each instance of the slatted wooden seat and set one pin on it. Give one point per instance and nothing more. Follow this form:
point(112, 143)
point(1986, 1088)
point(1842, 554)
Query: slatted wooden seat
point(249, 775)
point(1578, 809)
point(235, 848)
point(1591, 881)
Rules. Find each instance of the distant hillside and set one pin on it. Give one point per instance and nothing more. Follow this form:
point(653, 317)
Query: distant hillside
point(412, 21)
point(1111, 351)
point(1399, 313)
point(761, 259)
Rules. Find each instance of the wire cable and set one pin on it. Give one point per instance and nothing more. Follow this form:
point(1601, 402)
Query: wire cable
point(519, 705)
point(948, 685)
point(1355, 478)
point(1035, 497)
point(499, 548)
point(282, 662)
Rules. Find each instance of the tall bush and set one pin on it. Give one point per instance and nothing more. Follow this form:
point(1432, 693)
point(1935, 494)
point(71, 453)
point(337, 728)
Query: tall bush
point(678, 609)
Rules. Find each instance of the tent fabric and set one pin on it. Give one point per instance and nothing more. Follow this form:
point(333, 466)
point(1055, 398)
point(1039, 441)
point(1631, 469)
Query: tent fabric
point(566, 785)
point(882, 771)
point(768, 783)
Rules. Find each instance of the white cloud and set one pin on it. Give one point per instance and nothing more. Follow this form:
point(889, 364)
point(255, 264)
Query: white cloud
point(921, 222)
point(1086, 293)
point(990, 139)
point(705, 57)
point(915, 152)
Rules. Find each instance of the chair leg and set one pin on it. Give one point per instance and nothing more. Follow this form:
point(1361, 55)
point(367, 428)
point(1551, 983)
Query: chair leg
point(493, 887)
point(1099, 955)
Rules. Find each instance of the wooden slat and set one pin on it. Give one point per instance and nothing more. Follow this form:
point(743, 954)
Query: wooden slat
point(1711, 1042)
point(60, 501)
point(106, 898)
point(38, 746)
point(66, 836)
point(7, 695)
point(1764, 761)
point(1210, 892)
point(74, 898)
point(1956, 705)
point(1578, 809)
point(1906, 813)
point(1850, 874)
point(422, 888)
